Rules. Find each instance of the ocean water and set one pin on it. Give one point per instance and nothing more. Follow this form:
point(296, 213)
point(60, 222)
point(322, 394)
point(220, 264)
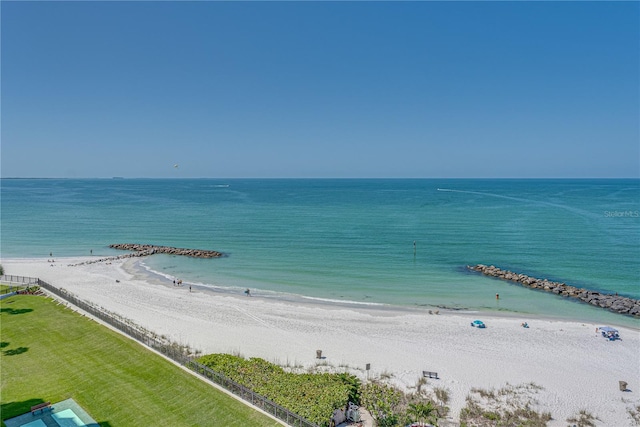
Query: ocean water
point(350, 240)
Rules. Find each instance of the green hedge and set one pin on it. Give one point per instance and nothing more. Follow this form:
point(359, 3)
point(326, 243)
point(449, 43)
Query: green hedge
point(312, 396)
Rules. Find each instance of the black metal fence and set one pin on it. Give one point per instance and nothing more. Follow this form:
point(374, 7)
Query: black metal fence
point(176, 353)
point(16, 283)
point(18, 280)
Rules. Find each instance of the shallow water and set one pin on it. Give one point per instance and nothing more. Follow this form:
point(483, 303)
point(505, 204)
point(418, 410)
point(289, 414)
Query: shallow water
point(350, 240)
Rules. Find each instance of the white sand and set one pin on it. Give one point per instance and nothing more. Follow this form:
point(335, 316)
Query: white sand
point(576, 368)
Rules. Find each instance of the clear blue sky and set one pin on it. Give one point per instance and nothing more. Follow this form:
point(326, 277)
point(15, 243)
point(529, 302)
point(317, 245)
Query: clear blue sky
point(320, 89)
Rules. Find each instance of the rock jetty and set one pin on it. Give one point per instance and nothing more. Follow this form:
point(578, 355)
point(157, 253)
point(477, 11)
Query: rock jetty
point(143, 250)
point(615, 303)
point(146, 250)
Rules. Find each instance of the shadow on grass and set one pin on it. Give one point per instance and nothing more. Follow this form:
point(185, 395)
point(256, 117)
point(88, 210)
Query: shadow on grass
point(16, 311)
point(13, 409)
point(4, 344)
point(15, 351)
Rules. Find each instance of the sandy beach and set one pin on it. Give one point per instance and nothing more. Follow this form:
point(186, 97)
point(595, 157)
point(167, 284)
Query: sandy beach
point(576, 368)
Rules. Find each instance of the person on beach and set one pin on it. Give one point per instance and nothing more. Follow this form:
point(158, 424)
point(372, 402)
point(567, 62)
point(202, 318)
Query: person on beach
point(189, 288)
point(248, 292)
point(497, 296)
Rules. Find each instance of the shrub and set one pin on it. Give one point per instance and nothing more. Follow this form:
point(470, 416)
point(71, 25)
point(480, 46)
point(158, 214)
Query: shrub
point(312, 396)
point(383, 401)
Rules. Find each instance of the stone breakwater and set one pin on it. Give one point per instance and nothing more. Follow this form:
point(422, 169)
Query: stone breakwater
point(143, 250)
point(616, 303)
point(146, 250)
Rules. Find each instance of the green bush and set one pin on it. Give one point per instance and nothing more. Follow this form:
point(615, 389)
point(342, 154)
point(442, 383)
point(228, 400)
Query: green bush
point(312, 396)
point(383, 401)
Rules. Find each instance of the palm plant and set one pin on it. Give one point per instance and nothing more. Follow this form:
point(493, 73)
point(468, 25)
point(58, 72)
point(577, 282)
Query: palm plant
point(423, 412)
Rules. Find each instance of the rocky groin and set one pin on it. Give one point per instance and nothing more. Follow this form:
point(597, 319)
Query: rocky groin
point(612, 302)
point(143, 250)
point(139, 250)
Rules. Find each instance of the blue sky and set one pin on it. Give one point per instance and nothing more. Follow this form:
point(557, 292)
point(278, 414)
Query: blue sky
point(320, 89)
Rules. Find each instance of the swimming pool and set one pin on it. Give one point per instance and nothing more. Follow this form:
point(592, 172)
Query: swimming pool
point(64, 414)
point(67, 418)
point(36, 423)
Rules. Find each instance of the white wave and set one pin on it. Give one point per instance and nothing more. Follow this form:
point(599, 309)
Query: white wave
point(579, 212)
point(339, 301)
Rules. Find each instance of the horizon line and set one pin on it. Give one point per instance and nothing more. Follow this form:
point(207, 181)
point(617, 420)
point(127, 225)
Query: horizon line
point(326, 178)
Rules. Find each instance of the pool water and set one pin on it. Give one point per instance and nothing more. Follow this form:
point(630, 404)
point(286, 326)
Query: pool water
point(36, 423)
point(64, 414)
point(67, 418)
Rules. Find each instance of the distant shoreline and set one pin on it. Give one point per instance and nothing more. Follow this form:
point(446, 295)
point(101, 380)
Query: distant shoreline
point(134, 264)
point(136, 268)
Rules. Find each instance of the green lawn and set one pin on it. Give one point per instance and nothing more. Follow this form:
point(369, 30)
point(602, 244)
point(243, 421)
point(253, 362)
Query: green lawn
point(50, 353)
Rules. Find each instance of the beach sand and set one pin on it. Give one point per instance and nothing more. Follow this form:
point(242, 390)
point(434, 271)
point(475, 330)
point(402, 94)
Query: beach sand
point(576, 368)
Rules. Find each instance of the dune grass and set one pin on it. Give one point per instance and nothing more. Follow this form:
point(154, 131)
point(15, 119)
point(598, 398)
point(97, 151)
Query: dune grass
point(50, 353)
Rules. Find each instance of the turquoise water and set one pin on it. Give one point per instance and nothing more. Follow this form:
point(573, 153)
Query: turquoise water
point(68, 418)
point(350, 240)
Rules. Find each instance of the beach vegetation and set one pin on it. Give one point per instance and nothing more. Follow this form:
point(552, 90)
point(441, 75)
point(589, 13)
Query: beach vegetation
point(422, 412)
point(291, 366)
point(509, 406)
point(382, 401)
point(582, 419)
point(634, 413)
point(442, 395)
point(390, 406)
point(353, 384)
point(313, 396)
point(386, 375)
point(422, 381)
point(50, 353)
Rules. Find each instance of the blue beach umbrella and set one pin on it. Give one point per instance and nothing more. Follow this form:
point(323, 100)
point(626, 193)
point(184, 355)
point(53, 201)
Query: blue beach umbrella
point(478, 324)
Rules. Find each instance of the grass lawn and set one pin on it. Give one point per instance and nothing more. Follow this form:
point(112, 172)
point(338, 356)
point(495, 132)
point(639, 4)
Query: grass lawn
point(50, 353)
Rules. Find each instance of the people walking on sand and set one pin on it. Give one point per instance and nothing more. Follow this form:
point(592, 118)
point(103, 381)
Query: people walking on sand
point(248, 292)
point(189, 288)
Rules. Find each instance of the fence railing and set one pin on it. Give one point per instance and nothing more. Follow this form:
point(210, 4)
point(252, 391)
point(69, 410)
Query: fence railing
point(177, 354)
point(22, 280)
point(12, 284)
